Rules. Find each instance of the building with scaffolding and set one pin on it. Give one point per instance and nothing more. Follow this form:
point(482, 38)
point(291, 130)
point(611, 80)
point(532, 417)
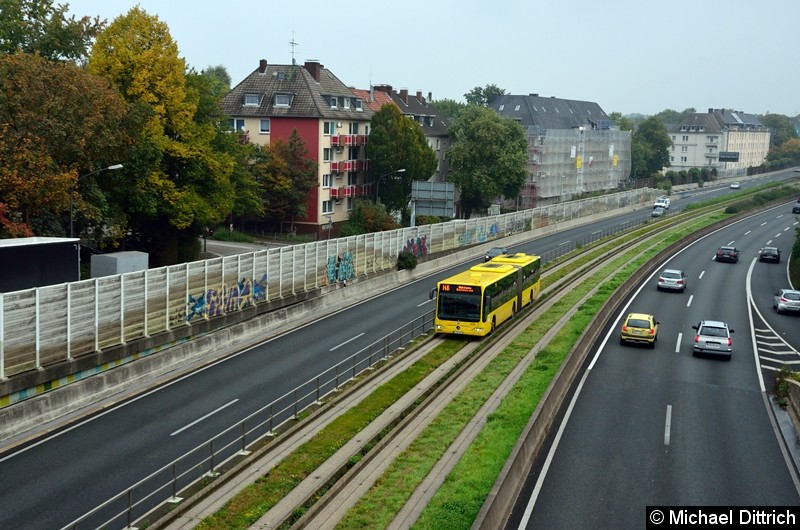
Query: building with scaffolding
point(574, 148)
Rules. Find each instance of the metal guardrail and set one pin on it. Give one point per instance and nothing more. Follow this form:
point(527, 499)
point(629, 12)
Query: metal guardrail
point(205, 461)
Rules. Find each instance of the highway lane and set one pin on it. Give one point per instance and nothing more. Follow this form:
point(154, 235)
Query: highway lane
point(72, 471)
point(661, 427)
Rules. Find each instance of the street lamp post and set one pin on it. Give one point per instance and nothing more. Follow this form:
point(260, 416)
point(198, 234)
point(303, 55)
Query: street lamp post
point(72, 193)
point(378, 182)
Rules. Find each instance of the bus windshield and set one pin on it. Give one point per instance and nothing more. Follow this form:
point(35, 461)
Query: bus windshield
point(465, 307)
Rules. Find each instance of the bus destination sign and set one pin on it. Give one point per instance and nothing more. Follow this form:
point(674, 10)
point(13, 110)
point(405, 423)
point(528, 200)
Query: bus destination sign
point(455, 288)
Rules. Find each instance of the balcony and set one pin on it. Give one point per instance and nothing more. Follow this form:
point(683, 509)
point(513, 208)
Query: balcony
point(364, 190)
point(362, 165)
point(336, 193)
point(336, 167)
point(347, 191)
point(361, 139)
point(336, 140)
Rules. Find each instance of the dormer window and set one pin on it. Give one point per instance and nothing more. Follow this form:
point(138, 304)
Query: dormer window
point(358, 105)
point(283, 100)
point(346, 103)
point(251, 100)
point(334, 102)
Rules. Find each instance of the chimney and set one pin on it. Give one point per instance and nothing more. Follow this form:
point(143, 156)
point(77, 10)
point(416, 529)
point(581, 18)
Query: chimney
point(710, 110)
point(419, 97)
point(384, 88)
point(430, 97)
point(314, 68)
point(404, 95)
point(262, 66)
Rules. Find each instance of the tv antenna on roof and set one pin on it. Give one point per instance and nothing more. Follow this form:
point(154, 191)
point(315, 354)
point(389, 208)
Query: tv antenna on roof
point(292, 43)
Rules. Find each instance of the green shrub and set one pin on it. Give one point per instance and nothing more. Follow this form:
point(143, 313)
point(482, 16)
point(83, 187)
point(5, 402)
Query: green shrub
point(406, 260)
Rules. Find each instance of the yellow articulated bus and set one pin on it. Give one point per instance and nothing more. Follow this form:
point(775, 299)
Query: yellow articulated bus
point(476, 301)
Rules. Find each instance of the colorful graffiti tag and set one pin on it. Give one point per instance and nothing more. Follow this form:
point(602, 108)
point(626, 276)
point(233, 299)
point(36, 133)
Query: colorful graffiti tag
point(417, 246)
point(232, 298)
point(341, 268)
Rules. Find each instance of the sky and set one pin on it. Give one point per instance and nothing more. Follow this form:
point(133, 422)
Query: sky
point(628, 56)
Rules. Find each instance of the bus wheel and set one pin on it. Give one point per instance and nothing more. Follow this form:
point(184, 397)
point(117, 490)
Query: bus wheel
point(494, 324)
point(514, 310)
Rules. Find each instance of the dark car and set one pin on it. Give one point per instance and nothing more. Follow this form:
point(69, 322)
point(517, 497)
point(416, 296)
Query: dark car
point(494, 252)
point(727, 253)
point(770, 254)
point(796, 207)
point(658, 211)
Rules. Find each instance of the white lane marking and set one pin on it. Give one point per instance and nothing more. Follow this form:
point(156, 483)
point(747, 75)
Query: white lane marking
point(195, 422)
point(425, 302)
point(731, 243)
point(689, 302)
point(785, 229)
point(678, 343)
point(748, 232)
point(769, 242)
point(345, 342)
point(565, 242)
point(762, 224)
point(668, 424)
point(778, 235)
point(701, 275)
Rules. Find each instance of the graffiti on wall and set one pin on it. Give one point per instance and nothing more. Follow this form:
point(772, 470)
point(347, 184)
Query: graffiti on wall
point(480, 234)
point(417, 246)
point(341, 268)
point(232, 297)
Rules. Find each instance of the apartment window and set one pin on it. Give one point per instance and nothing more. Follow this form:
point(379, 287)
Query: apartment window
point(672, 159)
point(353, 127)
point(366, 129)
point(251, 100)
point(329, 128)
point(684, 149)
point(672, 148)
point(327, 206)
point(346, 103)
point(685, 138)
point(358, 105)
point(673, 137)
point(264, 127)
point(438, 144)
point(327, 154)
point(283, 100)
point(349, 204)
point(502, 107)
point(683, 159)
point(327, 180)
point(334, 102)
point(236, 124)
point(516, 108)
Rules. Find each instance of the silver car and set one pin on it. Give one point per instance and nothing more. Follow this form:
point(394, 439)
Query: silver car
point(713, 338)
point(786, 300)
point(674, 279)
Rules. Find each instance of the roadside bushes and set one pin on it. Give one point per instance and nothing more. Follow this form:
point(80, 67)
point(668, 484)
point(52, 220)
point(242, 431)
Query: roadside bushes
point(406, 260)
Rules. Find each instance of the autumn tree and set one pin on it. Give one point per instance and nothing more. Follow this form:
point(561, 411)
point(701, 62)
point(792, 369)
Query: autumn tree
point(396, 142)
point(178, 182)
point(36, 26)
point(301, 171)
point(483, 96)
point(367, 217)
point(57, 123)
point(488, 158)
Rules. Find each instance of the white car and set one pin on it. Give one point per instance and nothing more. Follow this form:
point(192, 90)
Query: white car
point(663, 202)
point(735, 185)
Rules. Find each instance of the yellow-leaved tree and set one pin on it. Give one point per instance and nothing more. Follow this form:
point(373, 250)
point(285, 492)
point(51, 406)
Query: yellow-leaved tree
point(178, 182)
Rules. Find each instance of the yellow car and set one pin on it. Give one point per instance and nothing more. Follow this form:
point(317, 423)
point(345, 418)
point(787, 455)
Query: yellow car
point(639, 327)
